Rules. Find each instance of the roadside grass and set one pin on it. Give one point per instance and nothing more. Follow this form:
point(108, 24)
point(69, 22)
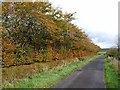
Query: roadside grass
point(111, 76)
point(49, 78)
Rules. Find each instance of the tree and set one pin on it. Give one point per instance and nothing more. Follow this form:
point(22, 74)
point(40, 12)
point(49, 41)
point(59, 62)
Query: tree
point(44, 31)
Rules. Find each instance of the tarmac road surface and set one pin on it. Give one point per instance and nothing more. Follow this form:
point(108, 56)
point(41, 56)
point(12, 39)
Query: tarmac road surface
point(90, 76)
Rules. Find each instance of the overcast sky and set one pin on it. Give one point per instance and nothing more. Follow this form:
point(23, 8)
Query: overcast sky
point(98, 18)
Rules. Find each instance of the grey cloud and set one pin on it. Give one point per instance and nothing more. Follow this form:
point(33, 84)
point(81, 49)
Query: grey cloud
point(102, 38)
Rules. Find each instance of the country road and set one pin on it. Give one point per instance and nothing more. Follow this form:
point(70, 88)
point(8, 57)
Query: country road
point(90, 76)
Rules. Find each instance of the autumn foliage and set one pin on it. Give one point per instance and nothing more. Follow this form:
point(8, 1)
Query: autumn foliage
point(37, 32)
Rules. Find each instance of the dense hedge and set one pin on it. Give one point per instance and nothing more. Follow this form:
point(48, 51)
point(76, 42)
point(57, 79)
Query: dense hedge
point(113, 52)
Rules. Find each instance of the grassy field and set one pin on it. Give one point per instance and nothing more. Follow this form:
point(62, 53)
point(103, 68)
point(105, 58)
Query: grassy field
point(48, 78)
point(99, 53)
point(111, 76)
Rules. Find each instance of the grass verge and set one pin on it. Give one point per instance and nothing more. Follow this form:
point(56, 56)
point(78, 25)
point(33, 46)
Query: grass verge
point(111, 76)
point(49, 78)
